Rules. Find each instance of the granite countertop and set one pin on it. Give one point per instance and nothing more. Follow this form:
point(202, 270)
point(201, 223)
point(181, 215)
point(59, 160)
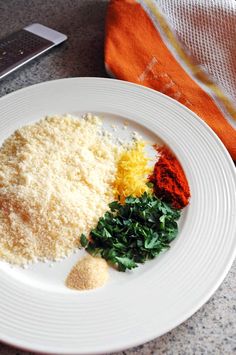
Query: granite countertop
point(212, 330)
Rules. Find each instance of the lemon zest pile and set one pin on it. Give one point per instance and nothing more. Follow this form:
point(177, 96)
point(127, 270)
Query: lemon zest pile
point(132, 172)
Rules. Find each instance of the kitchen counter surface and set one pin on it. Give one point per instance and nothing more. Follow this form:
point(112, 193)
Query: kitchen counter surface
point(212, 330)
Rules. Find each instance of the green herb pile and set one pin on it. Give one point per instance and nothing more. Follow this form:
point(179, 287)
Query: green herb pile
point(134, 232)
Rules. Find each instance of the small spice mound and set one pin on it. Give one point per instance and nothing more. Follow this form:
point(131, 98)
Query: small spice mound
point(170, 183)
point(132, 172)
point(88, 273)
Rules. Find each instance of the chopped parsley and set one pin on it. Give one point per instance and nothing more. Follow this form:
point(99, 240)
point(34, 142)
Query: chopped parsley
point(133, 232)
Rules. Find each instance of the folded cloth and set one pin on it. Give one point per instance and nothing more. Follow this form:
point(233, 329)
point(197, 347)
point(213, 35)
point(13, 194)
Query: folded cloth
point(172, 46)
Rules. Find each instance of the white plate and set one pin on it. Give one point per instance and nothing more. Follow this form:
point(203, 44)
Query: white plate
point(39, 313)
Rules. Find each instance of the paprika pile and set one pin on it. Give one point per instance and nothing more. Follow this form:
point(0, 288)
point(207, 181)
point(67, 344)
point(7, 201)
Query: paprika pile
point(169, 180)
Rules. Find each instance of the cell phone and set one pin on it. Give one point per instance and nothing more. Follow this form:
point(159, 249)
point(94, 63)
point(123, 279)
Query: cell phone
point(20, 47)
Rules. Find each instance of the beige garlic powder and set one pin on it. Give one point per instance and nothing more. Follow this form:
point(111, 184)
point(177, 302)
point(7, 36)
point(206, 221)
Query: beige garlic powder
point(88, 273)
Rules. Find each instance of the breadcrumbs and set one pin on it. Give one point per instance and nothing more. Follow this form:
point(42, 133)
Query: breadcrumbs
point(56, 181)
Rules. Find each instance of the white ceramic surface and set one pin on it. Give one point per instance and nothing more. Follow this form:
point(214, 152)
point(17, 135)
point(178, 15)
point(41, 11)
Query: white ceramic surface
point(39, 313)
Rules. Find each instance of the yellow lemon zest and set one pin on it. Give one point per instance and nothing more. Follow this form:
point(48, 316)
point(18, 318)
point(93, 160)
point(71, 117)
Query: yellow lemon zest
point(132, 172)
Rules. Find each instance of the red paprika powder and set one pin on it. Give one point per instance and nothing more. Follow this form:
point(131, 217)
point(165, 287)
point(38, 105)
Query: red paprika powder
point(169, 180)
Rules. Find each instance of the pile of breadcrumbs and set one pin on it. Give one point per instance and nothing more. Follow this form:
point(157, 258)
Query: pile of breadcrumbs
point(56, 181)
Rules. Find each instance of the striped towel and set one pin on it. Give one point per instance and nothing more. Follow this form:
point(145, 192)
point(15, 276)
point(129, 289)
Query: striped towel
point(172, 46)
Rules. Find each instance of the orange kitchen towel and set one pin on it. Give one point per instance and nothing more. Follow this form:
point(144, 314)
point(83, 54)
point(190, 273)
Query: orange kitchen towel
point(141, 47)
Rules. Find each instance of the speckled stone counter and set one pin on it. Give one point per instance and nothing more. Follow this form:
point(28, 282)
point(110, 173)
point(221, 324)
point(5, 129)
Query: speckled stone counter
point(212, 330)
